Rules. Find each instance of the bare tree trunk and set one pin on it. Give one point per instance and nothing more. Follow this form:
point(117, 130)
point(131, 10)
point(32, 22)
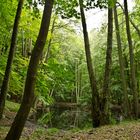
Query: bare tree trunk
point(136, 27)
point(104, 106)
point(121, 62)
point(5, 83)
point(23, 43)
point(28, 97)
point(132, 62)
point(95, 94)
point(131, 21)
point(29, 42)
point(50, 41)
point(29, 47)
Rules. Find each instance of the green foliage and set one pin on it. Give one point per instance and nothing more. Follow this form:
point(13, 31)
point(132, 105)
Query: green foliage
point(67, 9)
point(11, 106)
point(17, 76)
point(46, 118)
point(99, 4)
point(64, 78)
point(52, 131)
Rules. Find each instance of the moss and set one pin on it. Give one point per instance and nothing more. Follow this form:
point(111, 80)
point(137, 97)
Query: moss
point(11, 106)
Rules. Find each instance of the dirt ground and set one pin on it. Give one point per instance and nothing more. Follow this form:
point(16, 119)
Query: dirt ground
point(124, 131)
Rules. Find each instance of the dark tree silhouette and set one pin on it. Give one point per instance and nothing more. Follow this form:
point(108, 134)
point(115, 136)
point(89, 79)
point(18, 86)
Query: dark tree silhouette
point(28, 97)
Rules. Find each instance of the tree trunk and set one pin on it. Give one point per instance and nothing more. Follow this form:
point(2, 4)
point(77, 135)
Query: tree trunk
point(121, 62)
point(50, 41)
point(104, 104)
point(95, 95)
point(28, 97)
point(131, 21)
point(5, 83)
point(136, 27)
point(29, 47)
point(23, 43)
point(132, 63)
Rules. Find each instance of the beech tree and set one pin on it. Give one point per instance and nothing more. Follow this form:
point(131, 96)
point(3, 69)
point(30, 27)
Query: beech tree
point(28, 97)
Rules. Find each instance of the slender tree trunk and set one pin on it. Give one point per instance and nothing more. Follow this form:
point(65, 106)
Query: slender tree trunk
point(5, 83)
point(28, 47)
point(95, 95)
point(29, 42)
point(131, 21)
point(76, 91)
point(104, 107)
point(23, 44)
point(80, 82)
point(28, 97)
point(128, 77)
point(121, 62)
point(50, 41)
point(76, 80)
point(132, 62)
point(136, 27)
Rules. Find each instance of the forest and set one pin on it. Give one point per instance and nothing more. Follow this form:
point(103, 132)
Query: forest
point(61, 78)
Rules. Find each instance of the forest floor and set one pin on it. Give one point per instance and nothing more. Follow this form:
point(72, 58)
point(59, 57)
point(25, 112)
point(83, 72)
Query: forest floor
point(123, 131)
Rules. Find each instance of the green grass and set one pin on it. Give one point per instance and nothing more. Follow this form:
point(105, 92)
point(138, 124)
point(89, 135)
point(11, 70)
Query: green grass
point(11, 106)
point(3, 132)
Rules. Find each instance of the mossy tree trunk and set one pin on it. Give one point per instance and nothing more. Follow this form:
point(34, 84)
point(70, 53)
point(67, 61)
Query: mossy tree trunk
point(105, 92)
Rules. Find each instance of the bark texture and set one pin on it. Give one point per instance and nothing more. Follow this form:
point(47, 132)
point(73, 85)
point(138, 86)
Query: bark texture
point(50, 41)
point(132, 62)
point(121, 63)
point(131, 21)
point(104, 103)
point(28, 97)
point(95, 95)
point(6, 79)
